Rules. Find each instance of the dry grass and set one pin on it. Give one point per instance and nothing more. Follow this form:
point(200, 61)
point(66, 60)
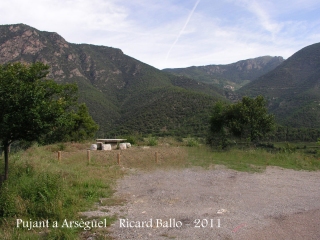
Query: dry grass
point(88, 182)
point(145, 158)
point(140, 157)
point(94, 181)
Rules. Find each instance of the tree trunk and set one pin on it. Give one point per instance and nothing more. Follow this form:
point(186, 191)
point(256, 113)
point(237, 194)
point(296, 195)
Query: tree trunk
point(6, 160)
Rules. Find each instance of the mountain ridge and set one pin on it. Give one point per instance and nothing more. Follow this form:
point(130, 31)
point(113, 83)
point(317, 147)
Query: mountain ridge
point(108, 80)
point(292, 88)
point(233, 75)
point(126, 96)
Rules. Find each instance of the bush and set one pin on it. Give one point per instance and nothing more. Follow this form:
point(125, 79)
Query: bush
point(288, 148)
point(152, 141)
point(191, 142)
point(131, 139)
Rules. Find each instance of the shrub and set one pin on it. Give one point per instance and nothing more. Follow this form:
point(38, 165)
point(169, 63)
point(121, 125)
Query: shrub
point(131, 139)
point(191, 142)
point(152, 141)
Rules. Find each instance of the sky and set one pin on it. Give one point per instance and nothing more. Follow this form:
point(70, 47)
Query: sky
point(177, 33)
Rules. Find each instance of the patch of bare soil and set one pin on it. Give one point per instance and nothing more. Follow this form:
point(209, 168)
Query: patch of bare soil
point(217, 204)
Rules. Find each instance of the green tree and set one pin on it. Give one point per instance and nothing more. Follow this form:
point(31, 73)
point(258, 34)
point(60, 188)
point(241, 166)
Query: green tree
point(84, 127)
point(256, 122)
point(219, 132)
point(80, 127)
point(31, 105)
point(248, 119)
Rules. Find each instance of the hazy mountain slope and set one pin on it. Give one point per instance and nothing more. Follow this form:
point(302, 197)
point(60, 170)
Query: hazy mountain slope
point(292, 88)
point(170, 109)
point(234, 74)
point(118, 89)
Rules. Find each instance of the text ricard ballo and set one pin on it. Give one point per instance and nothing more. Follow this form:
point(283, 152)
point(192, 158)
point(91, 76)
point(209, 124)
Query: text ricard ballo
point(123, 223)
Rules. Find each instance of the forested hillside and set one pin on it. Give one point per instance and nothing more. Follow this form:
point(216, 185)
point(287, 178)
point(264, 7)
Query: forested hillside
point(123, 94)
point(292, 89)
point(126, 96)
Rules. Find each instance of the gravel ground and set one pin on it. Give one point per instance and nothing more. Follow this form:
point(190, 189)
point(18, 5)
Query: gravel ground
point(217, 204)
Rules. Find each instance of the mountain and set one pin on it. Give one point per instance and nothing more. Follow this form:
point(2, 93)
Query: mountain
point(123, 94)
point(232, 76)
point(292, 89)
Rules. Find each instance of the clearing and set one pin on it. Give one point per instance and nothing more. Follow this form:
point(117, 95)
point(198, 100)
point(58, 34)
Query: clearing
point(217, 203)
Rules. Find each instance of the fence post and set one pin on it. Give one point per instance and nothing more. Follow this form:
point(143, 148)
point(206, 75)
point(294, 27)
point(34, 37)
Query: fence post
point(118, 158)
point(59, 156)
point(88, 156)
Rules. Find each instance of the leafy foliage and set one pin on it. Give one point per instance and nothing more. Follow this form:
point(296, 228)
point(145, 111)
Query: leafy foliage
point(79, 127)
point(247, 119)
point(30, 105)
point(34, 108)
point(152, 141)
point(83, 125)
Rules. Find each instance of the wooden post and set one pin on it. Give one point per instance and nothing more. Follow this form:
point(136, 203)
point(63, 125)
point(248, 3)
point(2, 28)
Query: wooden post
point(156, 156)
point(59, 156)
point(88, 156)
point(118, 158)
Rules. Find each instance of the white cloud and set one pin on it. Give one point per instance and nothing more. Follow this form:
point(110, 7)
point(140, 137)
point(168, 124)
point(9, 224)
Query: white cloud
point(69, 18)
point(168, 33)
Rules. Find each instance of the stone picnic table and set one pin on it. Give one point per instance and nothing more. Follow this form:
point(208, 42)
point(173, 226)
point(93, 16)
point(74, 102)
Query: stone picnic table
point(114, 142)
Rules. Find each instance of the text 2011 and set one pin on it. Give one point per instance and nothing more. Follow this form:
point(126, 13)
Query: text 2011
point(204, 223)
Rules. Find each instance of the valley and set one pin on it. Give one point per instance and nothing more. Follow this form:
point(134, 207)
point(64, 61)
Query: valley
point(126, 96)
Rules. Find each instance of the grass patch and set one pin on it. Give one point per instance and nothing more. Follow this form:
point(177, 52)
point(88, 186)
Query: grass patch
point(252, 159)
point(41, 188)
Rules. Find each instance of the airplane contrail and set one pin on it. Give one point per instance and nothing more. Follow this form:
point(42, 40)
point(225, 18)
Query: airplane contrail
point(182, 30)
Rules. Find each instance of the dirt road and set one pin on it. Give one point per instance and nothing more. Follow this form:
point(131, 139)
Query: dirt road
point(218, 204)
